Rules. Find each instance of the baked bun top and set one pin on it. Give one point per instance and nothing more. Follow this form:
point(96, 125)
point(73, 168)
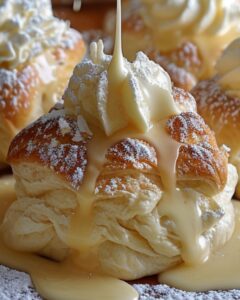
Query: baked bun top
point(23, 90)
point(38, 54)
point(221, 111)
point(60, 142)
point(127, 158)
point(218, 99)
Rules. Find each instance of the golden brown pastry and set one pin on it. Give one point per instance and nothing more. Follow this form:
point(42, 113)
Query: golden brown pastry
point(218, 101)
point(38, 53)
point(184, 37)
point(79, 164)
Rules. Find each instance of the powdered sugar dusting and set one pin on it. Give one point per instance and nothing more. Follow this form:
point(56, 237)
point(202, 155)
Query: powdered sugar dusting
point(179, 76)
point(14, 90)
point(164, 292)
point(57, 141)
point(89, 86)
point(183, 64)
point(64, 126)
point(7, 78)
point(131, 153)
point(222, 108)
point(184, 99)
point(16, 285)
point(191, 128)
point(110, 185)
point(199, 154)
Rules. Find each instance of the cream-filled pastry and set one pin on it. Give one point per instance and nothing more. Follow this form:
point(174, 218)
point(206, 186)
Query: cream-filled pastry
point(218, 101)
point(100, 159)
point(37, 55)
point(124, 179)
point(185, 37)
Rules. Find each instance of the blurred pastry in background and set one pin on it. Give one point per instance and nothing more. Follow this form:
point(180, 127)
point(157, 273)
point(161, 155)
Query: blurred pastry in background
point(37, 56)
point(218, 101)
point(185, 37)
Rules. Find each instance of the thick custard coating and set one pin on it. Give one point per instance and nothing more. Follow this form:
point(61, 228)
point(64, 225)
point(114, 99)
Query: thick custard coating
point(120, 200)
point(129, 196)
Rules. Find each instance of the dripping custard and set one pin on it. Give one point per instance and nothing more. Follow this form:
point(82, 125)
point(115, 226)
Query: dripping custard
point(139, 142)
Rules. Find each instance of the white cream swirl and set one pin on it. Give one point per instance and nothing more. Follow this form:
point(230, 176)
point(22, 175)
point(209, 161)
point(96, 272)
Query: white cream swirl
point(137, 94)
point(26, 28)
point(228, 68)
point(190, 17)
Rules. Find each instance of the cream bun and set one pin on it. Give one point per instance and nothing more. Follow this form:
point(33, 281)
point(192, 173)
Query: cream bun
point(105, 180)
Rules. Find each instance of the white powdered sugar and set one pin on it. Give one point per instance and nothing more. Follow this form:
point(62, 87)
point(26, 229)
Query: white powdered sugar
point(57, 141)
point(64, 126)
point(15, 88)
point(164, 292)
point(7, 78)
point(7, 81)
point(132, 152)
point(16, 285)
point(222, 107)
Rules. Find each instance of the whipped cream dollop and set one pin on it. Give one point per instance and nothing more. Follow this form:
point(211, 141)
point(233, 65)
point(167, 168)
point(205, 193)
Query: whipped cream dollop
point(189, 17)
point(26, 28)
point(228, 68)
point(114, 93)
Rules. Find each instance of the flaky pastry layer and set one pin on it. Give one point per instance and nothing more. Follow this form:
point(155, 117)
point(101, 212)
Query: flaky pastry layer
point(52, 141)
point(130, 236)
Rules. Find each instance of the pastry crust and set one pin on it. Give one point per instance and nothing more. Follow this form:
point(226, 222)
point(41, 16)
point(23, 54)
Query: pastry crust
point(49, 160)
point(31, 89)
point(222, 113)
point(199, 158)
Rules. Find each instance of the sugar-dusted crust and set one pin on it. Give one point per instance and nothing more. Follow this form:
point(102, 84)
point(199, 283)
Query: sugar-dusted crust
point(199, 157)
point(32, 88)
point(221, 111)
point(58, 141)
point(184, 99)
point(182, 64)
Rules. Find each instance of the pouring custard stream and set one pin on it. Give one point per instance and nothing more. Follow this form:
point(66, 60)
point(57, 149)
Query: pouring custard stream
point(127, 108)
point(120, 114)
